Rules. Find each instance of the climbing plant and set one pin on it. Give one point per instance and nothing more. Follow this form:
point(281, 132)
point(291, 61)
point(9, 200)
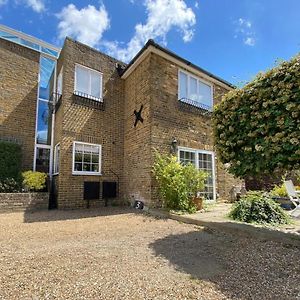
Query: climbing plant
point(257, 127)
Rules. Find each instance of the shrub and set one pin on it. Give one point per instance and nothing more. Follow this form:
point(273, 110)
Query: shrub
point(178, 183)
point(279, 191)
point(10, 185)
point(34, 181)
point(256, 128)
point(258, 207)
point(10, 161)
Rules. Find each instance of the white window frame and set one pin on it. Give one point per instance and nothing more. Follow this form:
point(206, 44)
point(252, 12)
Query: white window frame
point(60, 78)
point(189, 75)
point(197, 151)
point(74, 172)
point(37, 145)
point(56, 159)
point(90, 82)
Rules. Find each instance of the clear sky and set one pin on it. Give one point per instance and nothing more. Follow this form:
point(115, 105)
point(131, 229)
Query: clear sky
point(234, 39)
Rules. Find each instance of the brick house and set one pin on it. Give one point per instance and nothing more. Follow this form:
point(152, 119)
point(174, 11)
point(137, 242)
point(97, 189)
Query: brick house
point(93, 122)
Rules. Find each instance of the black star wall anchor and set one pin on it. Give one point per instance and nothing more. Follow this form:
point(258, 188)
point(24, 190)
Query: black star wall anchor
point(138, 116)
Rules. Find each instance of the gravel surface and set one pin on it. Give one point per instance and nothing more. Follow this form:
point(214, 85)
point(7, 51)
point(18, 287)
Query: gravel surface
point(120, 254)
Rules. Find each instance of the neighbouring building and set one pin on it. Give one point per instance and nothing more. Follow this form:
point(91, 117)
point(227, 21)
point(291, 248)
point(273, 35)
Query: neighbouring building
point(93, 123)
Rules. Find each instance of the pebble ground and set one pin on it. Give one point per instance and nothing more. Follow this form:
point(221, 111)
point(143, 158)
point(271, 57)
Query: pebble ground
point(121, 254)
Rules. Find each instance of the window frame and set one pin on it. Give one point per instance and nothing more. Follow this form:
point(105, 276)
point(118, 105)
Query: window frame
point(189, 75)
point(56, 160)
point(197, 152)
point(74, 172)
point(59, 79)
point(100, 99)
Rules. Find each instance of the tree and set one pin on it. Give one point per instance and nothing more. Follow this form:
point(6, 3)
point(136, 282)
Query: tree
point(257, 127)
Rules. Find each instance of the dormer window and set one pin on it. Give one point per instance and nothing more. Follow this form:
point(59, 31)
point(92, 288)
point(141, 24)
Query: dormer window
point(194, 91)
point(88, 83)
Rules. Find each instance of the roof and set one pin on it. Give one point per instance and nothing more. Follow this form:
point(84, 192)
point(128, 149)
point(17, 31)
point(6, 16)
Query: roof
point(150, 43)
point(28, 41)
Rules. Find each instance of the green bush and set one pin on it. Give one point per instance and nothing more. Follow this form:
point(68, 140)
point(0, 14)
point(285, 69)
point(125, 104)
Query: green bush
point(256, 127)
point(34, 181)
point(10, 185)
point(259, 207)
point(178, 183)
point(10, 161)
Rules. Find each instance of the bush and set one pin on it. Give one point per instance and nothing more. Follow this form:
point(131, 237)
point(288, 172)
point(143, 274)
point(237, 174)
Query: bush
point(279, 191)
point(258, 207)
point(10, 185)
point(257, 127)
point(10, 161)
point(34, 181)
point(178, 183)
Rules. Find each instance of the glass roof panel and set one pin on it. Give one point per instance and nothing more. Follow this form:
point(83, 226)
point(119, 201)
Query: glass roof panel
point(28, 43)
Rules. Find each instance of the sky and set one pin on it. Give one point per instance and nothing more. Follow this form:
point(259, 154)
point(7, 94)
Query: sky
point(233, 39)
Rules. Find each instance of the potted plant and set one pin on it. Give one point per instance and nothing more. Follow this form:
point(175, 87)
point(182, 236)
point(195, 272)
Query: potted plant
point(198, 201)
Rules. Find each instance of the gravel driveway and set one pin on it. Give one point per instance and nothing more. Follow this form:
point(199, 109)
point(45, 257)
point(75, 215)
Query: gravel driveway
point(119, 254)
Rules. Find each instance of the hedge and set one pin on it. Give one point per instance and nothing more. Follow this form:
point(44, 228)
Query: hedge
point(257, 127)
point(10, 160)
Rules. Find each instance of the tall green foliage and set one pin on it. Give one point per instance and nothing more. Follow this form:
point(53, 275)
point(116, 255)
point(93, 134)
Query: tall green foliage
point(178, 183)
point(10, 160)
point(257, 128)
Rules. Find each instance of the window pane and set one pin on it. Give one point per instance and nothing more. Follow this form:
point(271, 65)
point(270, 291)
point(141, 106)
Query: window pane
point(44, 122)
point(42, 160)
point(59, 83)
point(95, 149)
point(95, 167)
point(78, 157)
point(78, 147)
point(47, 66)
point(49, 51)
point(187, 157)
point(78, 166)
point(82, 80)
point(193, 93)
point(86, 158)
point(87, 148)
point(181, 155)
point(95, 158)
point(205, 164)
point(95, 84)
point(182, 85)
point(205, 95)
point(87, 167)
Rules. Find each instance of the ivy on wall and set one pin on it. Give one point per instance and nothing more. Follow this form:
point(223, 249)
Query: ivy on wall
point(257, 127)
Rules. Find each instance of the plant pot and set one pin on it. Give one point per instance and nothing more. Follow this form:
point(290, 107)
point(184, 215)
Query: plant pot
point(198, 201)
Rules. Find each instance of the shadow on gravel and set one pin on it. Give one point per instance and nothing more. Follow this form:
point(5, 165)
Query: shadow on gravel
point(241, 268)
point(193, 252)
point(60, 215)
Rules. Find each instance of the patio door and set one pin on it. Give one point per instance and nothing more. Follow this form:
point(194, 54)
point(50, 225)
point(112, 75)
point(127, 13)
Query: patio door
point(203, 160)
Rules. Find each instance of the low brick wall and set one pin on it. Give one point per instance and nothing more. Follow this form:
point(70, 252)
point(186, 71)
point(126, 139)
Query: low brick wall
point(23, 201)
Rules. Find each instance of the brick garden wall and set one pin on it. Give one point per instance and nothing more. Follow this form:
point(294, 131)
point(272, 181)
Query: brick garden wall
point(19, 68)
point(23, 201)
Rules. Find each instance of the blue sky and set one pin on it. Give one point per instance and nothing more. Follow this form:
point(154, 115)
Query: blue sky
point(234, 39)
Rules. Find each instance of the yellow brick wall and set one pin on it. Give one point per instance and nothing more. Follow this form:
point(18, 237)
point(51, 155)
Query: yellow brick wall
point(19, 69)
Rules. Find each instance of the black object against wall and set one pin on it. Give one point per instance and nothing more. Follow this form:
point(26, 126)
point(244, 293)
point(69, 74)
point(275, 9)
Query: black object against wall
point(138, 116)
point(109, 190)
point(91, 191)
